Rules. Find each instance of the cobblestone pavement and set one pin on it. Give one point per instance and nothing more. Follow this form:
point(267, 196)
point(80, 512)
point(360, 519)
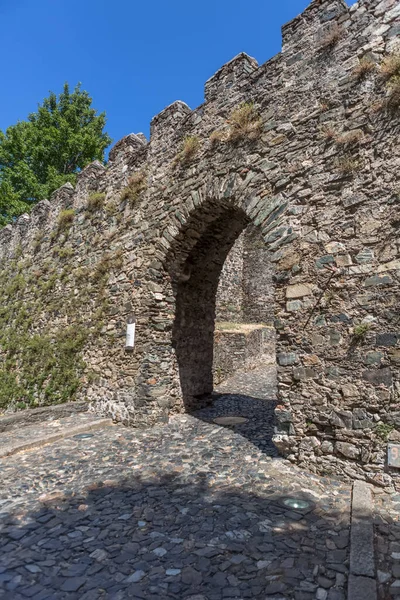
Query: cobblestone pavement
point(259, 382)
point(187, 510)
point(387, 544)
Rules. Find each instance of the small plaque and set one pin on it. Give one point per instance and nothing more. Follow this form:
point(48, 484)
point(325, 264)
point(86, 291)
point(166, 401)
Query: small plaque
point(394, 455)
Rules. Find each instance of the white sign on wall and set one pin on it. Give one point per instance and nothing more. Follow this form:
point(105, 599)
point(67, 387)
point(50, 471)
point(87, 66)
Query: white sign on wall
point(130, 334)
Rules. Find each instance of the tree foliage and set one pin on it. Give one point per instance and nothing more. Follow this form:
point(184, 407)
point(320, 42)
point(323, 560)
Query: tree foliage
point(39, 155)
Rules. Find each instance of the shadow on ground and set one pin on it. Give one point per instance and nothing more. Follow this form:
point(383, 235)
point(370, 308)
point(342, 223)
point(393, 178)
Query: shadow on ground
point(259, 415)
point(163, 538)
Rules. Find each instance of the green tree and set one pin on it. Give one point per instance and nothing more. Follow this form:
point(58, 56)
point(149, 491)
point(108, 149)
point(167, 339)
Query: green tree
point(39, 155)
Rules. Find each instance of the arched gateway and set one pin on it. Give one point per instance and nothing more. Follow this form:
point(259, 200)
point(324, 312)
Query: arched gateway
point(305, 149)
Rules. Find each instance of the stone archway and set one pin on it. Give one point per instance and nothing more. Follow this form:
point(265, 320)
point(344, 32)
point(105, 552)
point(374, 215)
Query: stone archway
point(194, 264)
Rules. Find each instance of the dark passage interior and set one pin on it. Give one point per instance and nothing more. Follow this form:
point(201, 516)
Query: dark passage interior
point(223, 324)
point(195, 272)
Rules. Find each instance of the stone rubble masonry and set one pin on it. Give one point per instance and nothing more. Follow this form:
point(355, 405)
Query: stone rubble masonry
point(326, 211)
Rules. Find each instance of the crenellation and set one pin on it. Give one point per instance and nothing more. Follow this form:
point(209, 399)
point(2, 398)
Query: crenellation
point(225, 81)
point(131, 144)
point(163, 127)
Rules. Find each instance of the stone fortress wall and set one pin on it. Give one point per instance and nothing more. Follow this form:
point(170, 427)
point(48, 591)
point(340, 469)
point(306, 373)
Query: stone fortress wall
point(320, 184)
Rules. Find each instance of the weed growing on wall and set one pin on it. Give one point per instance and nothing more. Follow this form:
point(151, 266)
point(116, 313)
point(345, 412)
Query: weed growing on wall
point(390, 67)
point(244, 123)
point(390, 74)
point(217, 137)
point(65, 219)
point(330, 38)
point(348, 165)
point(361, 330)
point(393, 99)
point(364, 68)
point(95, 201)
point(189, 149)
point(137, 184)
point(383, 430)
point(349, 138)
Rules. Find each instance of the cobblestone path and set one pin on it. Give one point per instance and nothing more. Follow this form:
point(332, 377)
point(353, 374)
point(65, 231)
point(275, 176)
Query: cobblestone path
point(187, 510)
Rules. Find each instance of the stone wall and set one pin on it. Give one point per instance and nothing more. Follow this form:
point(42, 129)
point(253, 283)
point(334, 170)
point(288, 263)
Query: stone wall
point(245, 290)
point(229, 300)
point(241, 347)
point(320, 182)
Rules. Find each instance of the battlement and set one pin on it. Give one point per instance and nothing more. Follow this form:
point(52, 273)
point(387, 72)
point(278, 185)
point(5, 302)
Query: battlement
point(367, 24)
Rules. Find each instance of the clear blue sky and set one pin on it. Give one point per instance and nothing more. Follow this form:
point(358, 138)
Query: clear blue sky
point(134, 57)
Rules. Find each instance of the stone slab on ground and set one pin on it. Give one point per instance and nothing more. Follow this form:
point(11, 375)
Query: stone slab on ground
point(362, 561)
point(46, 432)
point(38, 415)
point(361, 588)
point(387, 542)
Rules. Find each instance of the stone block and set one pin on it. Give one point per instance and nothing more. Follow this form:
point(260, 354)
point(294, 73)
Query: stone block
point(341, 318)
point(320, 321)
point(349, 390)
point(394, 355)
point(362, 560)
point(379, 376)
point(283, 416)
point(327, 447)
point(365, 256)
point(353, 200)
point(310, 360)
point(343, 260)
point(373, 358)
point(361, 588)
point(387, 339)
point(348, 450)
point(361, 420)
point(299, 290)
point(309, 443)
point(286, 359)
point(334, 338)
point(294, 305)
point(335, 248)
point(393, 265)
point(328, 259)
point(346, 416)
point(378, 280)
point(302, 373)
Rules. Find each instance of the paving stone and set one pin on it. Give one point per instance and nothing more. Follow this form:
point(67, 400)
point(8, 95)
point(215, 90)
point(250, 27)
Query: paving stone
point(204, 489)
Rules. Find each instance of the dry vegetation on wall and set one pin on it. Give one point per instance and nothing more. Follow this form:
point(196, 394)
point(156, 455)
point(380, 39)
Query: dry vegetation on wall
point(65, 219)
point(330, 38)
point(189, 150)
point(365, 67)
point(217, 137)
point(95, 201)
point(349, 138)
point(244, 123)
point(348, 165)
point(390, 67)
point(390, 73)
point(136, 186)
